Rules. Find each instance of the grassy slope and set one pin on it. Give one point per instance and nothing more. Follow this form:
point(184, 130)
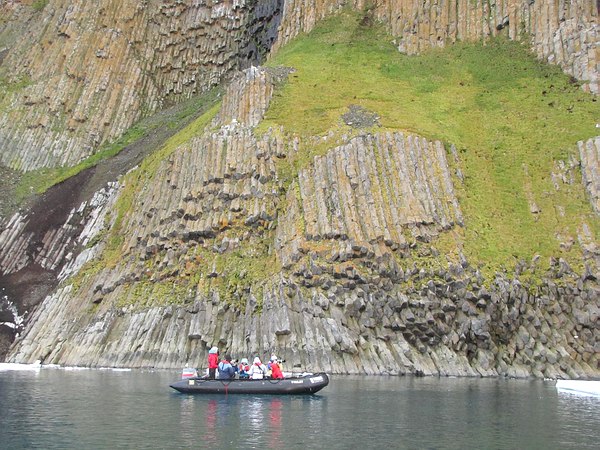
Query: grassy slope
point(510, 116)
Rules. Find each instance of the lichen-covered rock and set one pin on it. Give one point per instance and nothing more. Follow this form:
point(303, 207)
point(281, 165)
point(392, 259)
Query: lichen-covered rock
point(589, 152)
point(223, 179)
point(534, 341)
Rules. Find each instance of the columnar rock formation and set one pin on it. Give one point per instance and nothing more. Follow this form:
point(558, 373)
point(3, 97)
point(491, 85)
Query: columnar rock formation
point(339, 265)
point(462, 330)
point(351, 299)
point(589, 152)
point(403, 181)
point(563, 32)
point(82, 74)
point(32, 264)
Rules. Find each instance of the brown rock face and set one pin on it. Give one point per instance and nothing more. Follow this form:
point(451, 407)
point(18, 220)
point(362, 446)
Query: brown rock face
point(80, 74)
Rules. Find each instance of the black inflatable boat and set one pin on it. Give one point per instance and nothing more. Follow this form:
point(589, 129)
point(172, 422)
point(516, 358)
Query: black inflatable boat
point(305, 384)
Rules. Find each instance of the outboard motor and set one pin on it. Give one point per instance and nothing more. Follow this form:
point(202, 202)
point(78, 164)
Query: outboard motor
point(188, 372)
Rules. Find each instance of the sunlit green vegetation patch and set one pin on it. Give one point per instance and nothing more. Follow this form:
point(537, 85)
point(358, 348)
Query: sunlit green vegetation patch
point(39, 5)
point(244, 271)
point(9, 86)
point(509, 115)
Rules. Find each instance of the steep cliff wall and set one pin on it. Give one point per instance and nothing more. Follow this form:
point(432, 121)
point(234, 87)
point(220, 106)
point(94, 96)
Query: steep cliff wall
point(589, 152)
point(50, 240)
point(351, 300)
point(463, 331)
point(81, 74)
point(341, 249)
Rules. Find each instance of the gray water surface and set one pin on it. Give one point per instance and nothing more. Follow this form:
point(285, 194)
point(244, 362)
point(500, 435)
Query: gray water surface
point(56, 408)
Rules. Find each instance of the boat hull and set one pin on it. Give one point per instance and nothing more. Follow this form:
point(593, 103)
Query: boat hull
point(308, 384)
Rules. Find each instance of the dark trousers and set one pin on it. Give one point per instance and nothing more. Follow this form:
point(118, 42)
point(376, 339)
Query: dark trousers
point(211, 373)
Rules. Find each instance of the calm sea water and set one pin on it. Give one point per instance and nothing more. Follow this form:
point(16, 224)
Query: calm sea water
point(57, 408)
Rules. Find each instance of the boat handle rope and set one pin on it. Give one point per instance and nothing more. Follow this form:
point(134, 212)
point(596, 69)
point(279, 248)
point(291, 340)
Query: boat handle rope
point(226, 385)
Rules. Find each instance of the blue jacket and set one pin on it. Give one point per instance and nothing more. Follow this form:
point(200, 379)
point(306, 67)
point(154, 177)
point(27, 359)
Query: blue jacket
point(226, 370)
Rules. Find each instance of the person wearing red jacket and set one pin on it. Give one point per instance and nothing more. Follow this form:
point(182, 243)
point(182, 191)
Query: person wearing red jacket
point(213, 362)
point(276, 372)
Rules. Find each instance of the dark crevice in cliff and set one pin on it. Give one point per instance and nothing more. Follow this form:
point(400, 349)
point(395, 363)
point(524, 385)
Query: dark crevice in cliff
point(262, 32)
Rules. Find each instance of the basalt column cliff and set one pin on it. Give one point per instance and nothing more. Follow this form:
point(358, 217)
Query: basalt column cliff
point(300, 210)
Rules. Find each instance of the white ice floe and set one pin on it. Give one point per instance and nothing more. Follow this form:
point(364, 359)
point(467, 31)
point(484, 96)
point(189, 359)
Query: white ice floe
point(582, 387)
point(37, 366)
point(5, 367)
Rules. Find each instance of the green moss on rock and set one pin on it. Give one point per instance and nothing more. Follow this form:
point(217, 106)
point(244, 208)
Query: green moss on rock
point(511, 117)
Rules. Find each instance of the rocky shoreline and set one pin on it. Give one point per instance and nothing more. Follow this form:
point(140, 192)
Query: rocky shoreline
point(451, 328)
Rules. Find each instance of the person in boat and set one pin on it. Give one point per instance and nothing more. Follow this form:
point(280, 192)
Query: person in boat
point(257, 370)
point(213, 362)
point(226, 369)
point(244, 368)
point(276, 372)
